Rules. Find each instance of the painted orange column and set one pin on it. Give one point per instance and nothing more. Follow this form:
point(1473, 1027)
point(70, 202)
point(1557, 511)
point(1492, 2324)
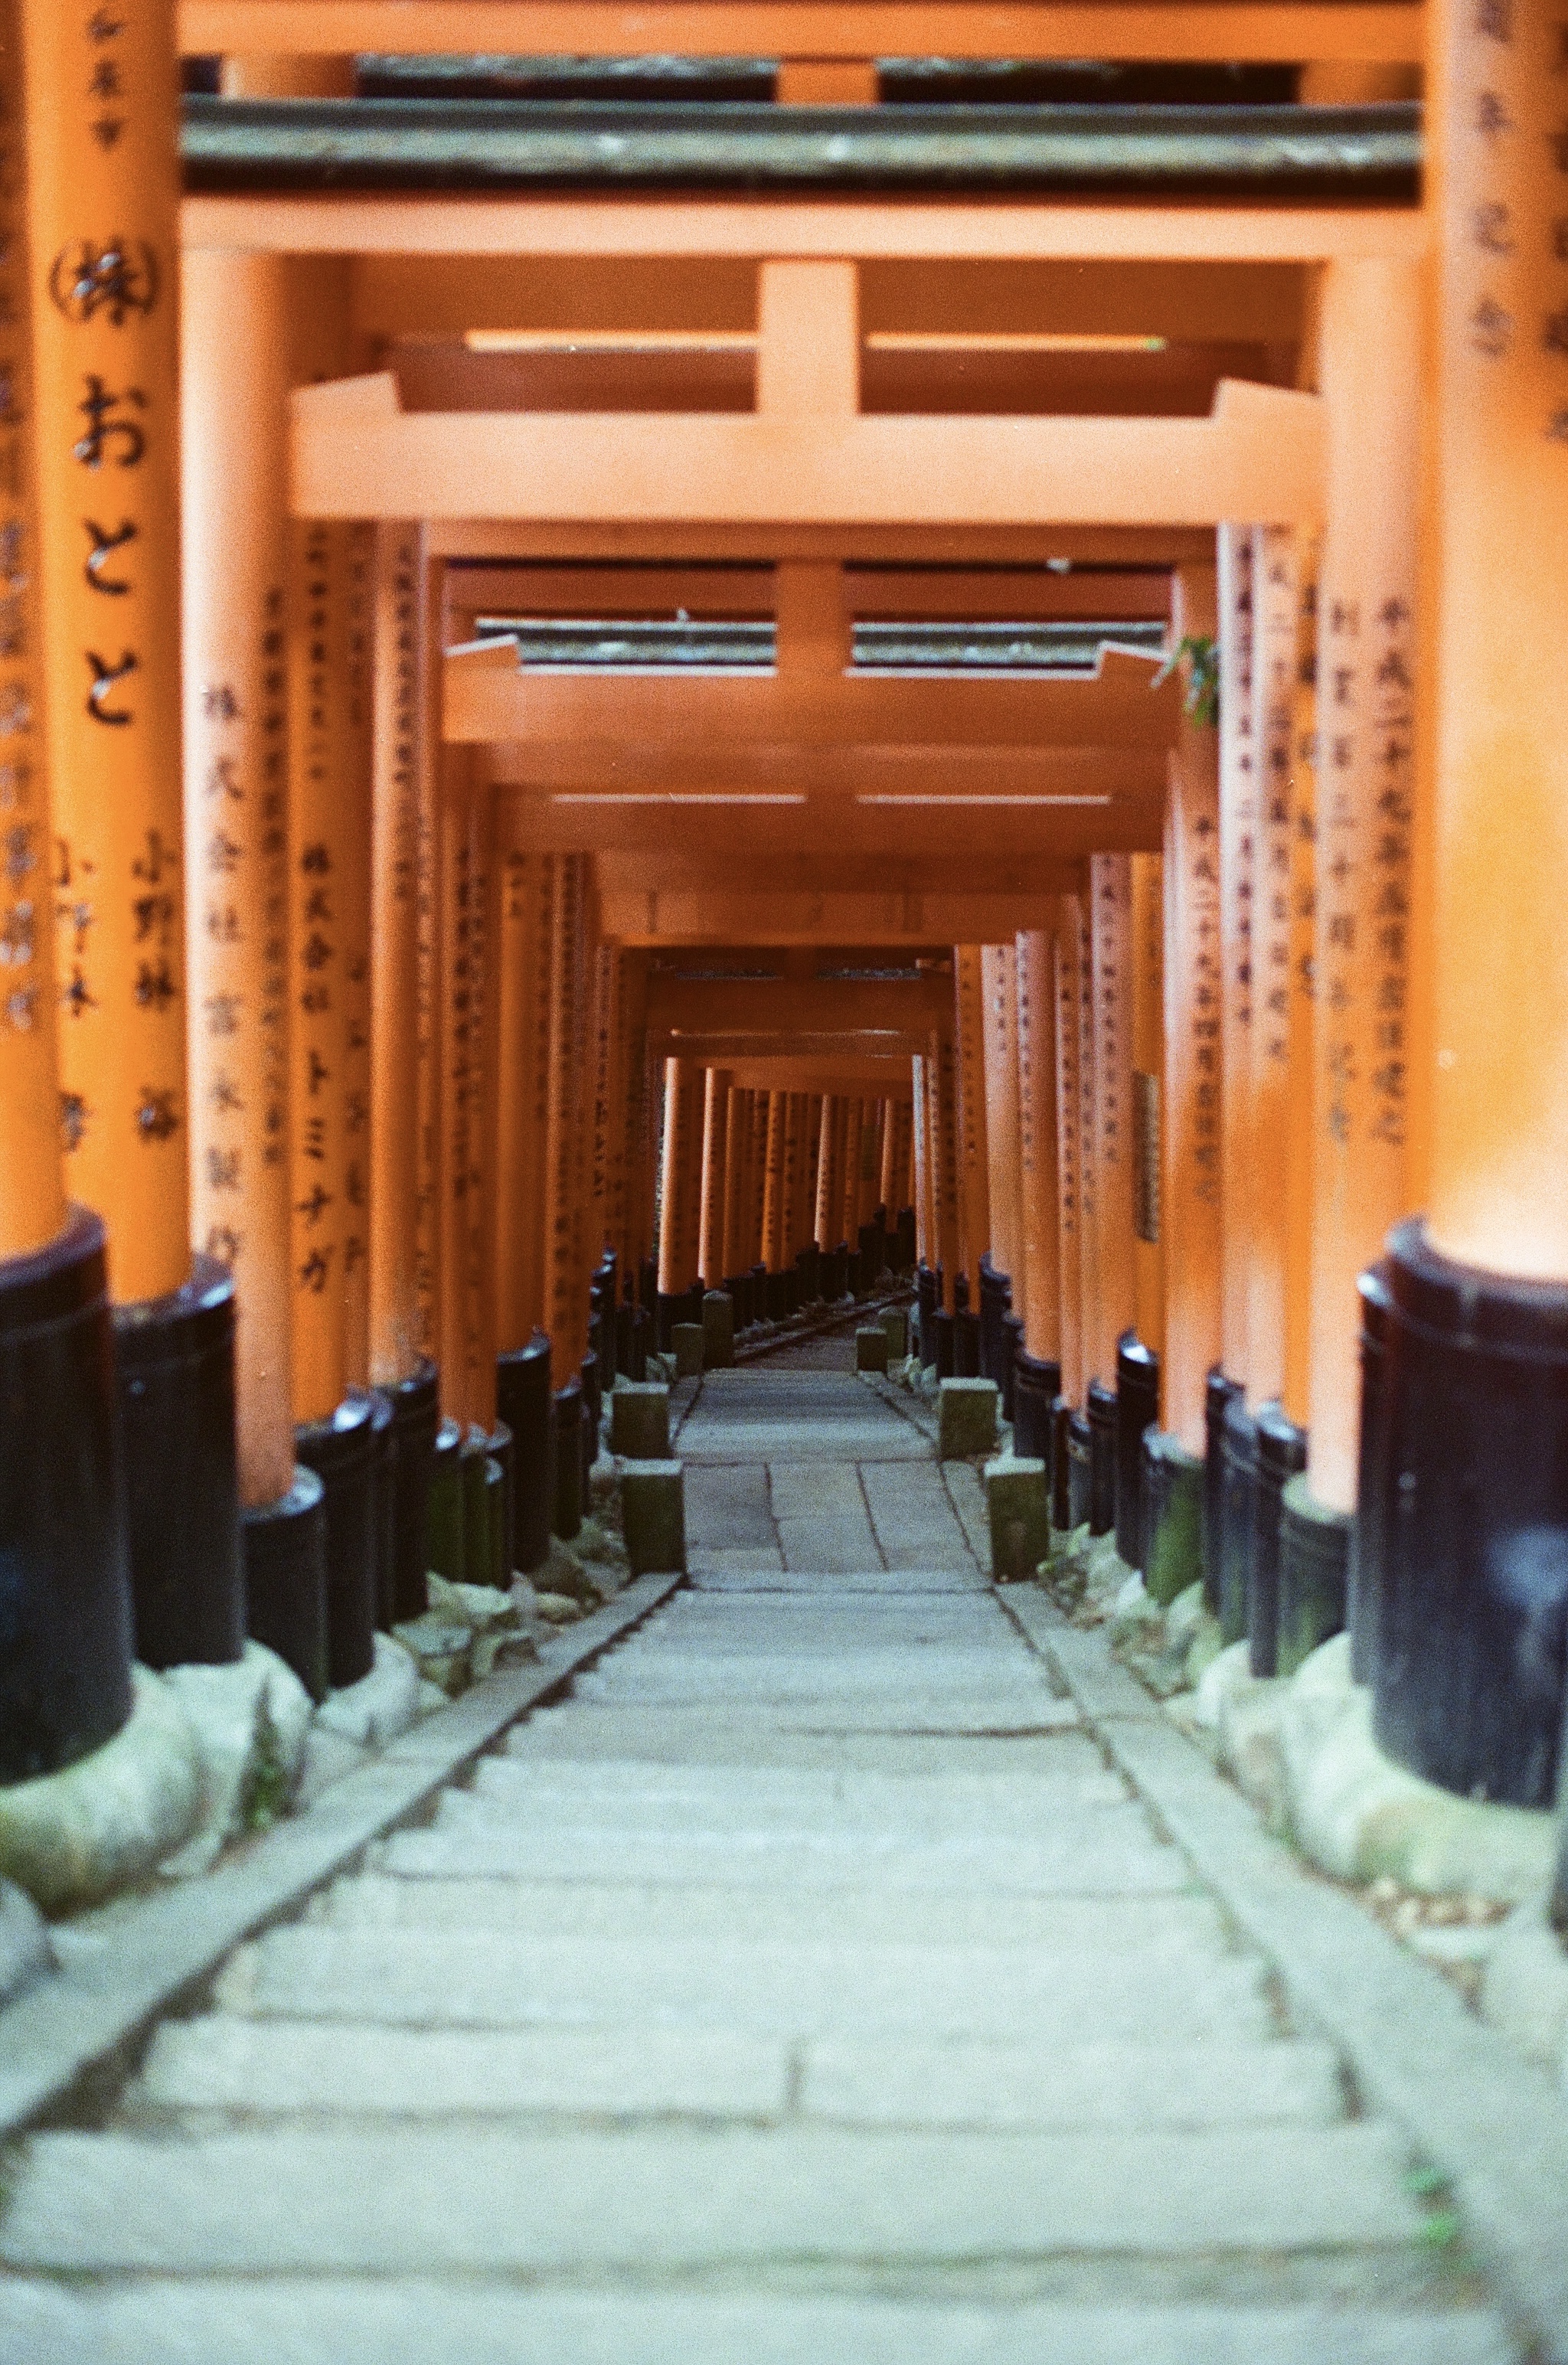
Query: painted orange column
point(888, 1186)
point(678, 1229)
point(522, 985)
point(456, 1032)
point(234, 539)
point(870, 1161)
point(642, 1101)
point(923, 1223)
point(941, 1095)
point(606, 1024)
point(974, 1205)
point(1302, 1008)
point(794, 1176)
point(812, 1143)
point(32, 1194)
point(484, 1111)
point(896, 1169)
point(1111, 986)
point(756, 1176)
point(773, 1182)
point(1088, 1145)
point(715, 1141)
point(854, 1127)
point(99, 98)
point(318, 875)
point(354, 881)
point(398, 670)
point(1276, 607)
point(829, 1178)
point(1147, 892)
point(737, 1140)
point(1067, 996)
point(1238, 833)
point(1002, 1150)
point(1039, 1300)
point(430, 904)
point(1370, 344)
point(1190, 1215)
point(565, 1280)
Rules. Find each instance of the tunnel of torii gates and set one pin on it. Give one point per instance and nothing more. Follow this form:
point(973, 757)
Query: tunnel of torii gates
point(378, 957)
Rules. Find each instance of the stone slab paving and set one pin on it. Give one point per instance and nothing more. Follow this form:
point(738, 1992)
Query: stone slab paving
point(810, 1982)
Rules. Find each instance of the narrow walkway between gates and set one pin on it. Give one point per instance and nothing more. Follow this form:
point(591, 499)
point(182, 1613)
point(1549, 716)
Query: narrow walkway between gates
point(805, 1985)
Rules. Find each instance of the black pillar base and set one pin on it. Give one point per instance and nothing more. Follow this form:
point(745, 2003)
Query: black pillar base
point(995, 1297)
point(174, 1365)
point(284, 1544)
point(1238, 1485)
point(342, 1450)
point(590, 1435)
point(1373, 1500)
point(1468, 1688)
point(777, 1297)
point(384, 1505)
point(1172, 1515)
point(1315, 1557)
point(566, 1503)
point(445, 1503)
point(1137, 1409)
point(1217, 1394)
point(475, 1461)
point(65, 1666)
point(942, 1343)
point(928, 1297)
point(1101, 1414)
point(1036, 1384)
point(416, 1416)
point(966, 1344)
point(523, 1401)
point(1061, 1480)
point(1282, 1453)
point(1012, 1347)
point(1079, 1473)
point(648, 1284)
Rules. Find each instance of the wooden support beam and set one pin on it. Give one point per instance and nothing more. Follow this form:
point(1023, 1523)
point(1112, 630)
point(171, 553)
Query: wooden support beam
point(757, 1005)
point(489, 699)
point(753, 916)
point(624, 593)
point(355, 453)
point(619, 773)
point(969, 230)
point(1275, 30)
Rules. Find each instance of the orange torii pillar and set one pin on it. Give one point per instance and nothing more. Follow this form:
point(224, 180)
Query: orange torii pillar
point(829, 1172)
point(1302, 1003)
point(854, 1128)
point(926, 1294)
point(235, 383)
point(793, 1189)
point(1002, 1277)
point(1175, 1462)
point(974, 1180)
point(1363, 1066)
point(525, 941)
point(1122, 1392)
point(757, 1202)
point(398, 1368)
point(942, 1106)
point(1071, 1439)
point(566, 1175)
point(773, 1240)
point(1139, 1351)
point(1462, 1531)
point(639, 1263)
point(815, 1104)
point(97, 192)
point(680, 1177)
point(65, 1682)
point(1037, 1380)
point(339, 1430)
point(897, 1181)
point(733, 1258)
point(716, 1176)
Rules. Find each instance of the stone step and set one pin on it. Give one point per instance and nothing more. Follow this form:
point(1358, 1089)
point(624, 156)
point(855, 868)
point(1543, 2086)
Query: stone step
point(714, 1570)
point(857, 1679)
point(226, 2064)
point(651, 2203)
point(1106, 1852)
point(750, 1800)
point(414, 1978)
point(1146, 1926)
point(321, 2321)
point(683, 1736)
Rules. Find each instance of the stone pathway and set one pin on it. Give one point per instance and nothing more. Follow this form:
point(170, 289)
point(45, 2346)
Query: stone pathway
point(804, 1987)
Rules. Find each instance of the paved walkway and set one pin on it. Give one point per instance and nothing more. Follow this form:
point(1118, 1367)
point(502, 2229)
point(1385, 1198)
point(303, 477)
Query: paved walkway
point(805, 1987)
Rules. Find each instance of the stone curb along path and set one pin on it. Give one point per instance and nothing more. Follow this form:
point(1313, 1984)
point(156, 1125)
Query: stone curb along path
point(142, 1955)
point(1491, 2129)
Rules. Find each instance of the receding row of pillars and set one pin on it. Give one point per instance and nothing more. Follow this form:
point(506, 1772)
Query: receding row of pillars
point(329, 1116)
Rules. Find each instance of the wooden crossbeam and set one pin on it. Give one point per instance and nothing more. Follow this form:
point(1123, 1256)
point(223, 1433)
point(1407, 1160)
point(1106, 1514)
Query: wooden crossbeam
point(1275, 31)
point(488, 700)
point(623, 593)
point(356, 454)
point(722, 916)
point(736, 1007)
